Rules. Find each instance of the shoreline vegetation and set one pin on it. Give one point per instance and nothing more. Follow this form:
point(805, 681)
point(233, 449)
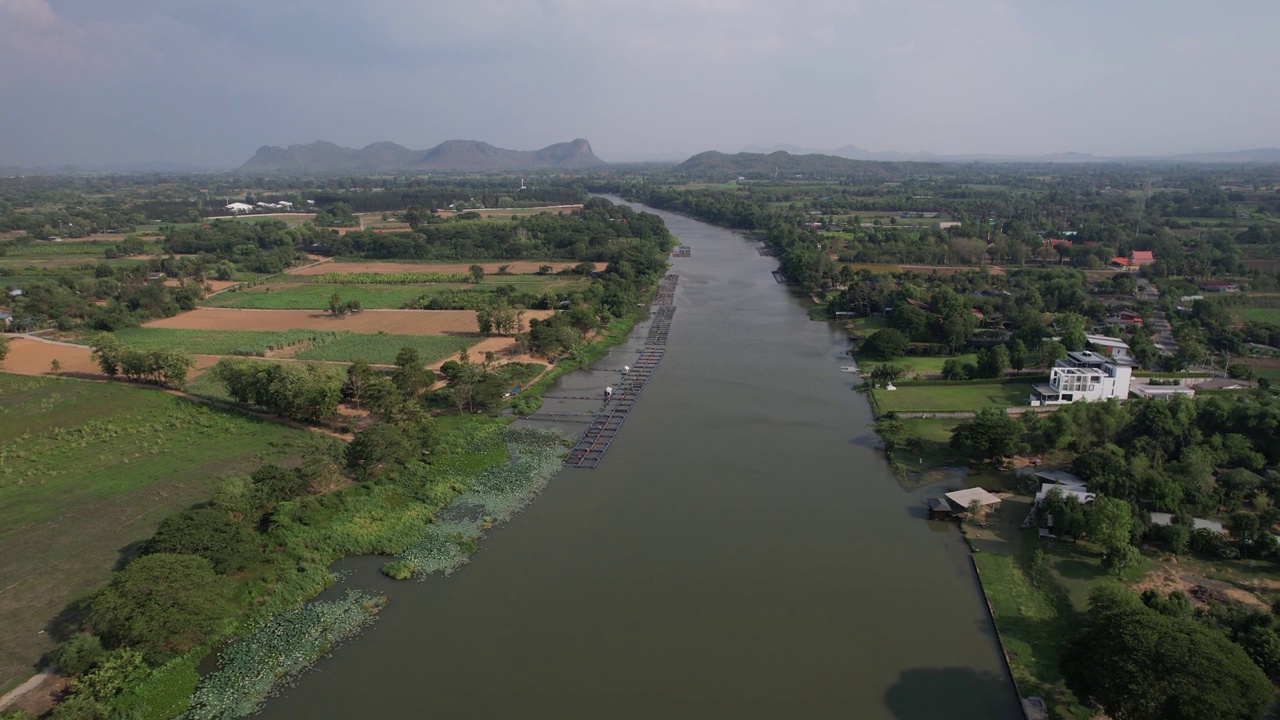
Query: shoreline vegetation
point(430, 468)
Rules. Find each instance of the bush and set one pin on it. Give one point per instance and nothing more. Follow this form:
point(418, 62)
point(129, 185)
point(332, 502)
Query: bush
point(887, 344)
point(79, 653)
point(400, 569)
point(207, 532)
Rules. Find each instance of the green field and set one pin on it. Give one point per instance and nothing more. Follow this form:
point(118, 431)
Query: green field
point(316, 297)
point(937, 397)
point(381, 348)
point(1257, 314)
point(89, 469)
point(291, 221)
point(196, 342)
point(924, 365)
point(295, 293)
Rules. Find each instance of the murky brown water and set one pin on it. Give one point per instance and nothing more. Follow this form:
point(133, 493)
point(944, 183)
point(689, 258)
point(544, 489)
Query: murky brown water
point(741, 552)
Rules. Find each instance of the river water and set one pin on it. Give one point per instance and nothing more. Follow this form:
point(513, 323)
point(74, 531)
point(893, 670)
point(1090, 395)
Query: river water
point(742, 551)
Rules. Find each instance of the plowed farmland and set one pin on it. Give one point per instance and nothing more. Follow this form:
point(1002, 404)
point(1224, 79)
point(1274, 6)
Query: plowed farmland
point(515, 267)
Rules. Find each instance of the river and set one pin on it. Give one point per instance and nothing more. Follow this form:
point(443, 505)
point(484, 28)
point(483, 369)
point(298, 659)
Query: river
point(742, 551)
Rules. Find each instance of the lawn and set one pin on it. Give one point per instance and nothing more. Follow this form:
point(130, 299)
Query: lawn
point(931, 365)
point(939, 397)
point(87, 470)
point(381, 348)
point(1032, 630)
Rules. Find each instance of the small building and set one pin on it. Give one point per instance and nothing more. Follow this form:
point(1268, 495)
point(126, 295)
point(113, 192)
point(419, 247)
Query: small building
point(961, 499)
point(1144, 390)
point(1160, 518)
point(1079, 494)
point(1224, 384)
point(1110, 346)
point(5, 319)
point(152, 277)
point(239, 207)
point(1061, 477)
point(939, 508)
point(1084, 376)
point(1219, 286)
point(1139, 259)
point(16, 292)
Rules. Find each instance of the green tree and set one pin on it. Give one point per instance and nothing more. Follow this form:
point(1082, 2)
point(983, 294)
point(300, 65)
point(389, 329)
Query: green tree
point(378, 447)
point(411, 376)
point(1051, 351)
point(887, 344)
point(162, 604)
point(1018, 355)
point(78, 654)
point(1138, 664)
point(207, 532)
point(993, 361)
point(991, 436)
point(886, 374)
point(908, 319)
point(4, 348)
point(477, 273)
point(1110, 522)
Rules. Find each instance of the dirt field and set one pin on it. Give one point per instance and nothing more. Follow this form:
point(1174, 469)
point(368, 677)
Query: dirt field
point(32, 357)
point(395, 322)
point(515, 267)
point(214, 285)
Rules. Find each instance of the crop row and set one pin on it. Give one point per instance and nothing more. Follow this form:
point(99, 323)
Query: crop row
point(373, 278)
point(278, 341)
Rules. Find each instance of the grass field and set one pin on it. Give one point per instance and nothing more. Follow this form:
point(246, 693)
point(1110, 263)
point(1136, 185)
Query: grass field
point(936, 397)
point(381, 348)
point(1032, 630)
point(87, 470)
point(1257, 314)
point(316, 297)
point(196, 342)
point(924, 365)
point(298, 294)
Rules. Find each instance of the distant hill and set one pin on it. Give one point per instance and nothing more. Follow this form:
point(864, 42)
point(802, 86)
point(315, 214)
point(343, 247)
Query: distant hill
point(784, 163)
point(853, 152)
point(464, 155)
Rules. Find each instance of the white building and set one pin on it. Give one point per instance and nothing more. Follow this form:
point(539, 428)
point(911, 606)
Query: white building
point(1085, 376)
point(239, 207)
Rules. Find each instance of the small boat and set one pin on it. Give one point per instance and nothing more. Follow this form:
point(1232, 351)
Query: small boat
point(849, 368)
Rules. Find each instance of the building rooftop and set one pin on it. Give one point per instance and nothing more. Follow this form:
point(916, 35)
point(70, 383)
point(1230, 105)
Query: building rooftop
point(1062, 477)
point(1159, 518)
point(1106, 341)
point(962, 498)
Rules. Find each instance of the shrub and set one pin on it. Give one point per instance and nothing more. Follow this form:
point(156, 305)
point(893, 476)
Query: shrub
point(207, 532)
point(79, 653)
point(400, 569)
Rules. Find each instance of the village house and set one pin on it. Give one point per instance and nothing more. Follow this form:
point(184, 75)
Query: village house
point(1109, 346)
point(239, 207)
point(1141, 258)
point(1085, 376)
point(1219, 286)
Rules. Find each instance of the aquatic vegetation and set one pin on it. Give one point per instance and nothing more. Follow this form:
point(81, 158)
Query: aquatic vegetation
point(276, 653)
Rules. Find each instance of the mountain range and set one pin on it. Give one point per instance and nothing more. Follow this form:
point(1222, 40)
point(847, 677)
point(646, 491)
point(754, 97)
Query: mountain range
point(853, 152)
point(464, 155)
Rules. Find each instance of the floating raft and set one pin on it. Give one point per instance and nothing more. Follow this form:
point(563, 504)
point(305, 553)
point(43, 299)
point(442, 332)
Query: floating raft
point(764, 251)
point(605, 425)
point(682, 252)
point(780, 277)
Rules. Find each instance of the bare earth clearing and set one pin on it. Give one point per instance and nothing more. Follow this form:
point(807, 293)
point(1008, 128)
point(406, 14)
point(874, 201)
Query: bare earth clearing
point(395, 322)
point(214, 285)
point(515, 267)
point(32, 357)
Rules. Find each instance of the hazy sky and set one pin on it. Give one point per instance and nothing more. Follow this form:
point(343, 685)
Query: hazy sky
point(206, 82)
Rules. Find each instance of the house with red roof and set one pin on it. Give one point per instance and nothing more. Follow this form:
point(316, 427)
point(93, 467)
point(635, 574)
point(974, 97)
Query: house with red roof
point(1141, 258)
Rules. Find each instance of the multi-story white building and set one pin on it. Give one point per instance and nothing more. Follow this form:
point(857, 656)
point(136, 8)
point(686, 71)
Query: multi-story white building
point(1085, 376)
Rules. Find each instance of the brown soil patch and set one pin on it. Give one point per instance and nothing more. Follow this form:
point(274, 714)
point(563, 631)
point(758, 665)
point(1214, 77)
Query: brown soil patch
point(212, 285)
point(1169, 577)
point(515, 267)
point(32, 357)
point(396, 322)
point(41, 698)
point(951, 269)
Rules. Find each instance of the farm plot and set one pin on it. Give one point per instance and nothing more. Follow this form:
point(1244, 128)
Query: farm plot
point(938, 397)
point(316, 297)
point(514, 267)
point(381, 348)
point(394, 322)
point(90, 469)
point(1270, 315)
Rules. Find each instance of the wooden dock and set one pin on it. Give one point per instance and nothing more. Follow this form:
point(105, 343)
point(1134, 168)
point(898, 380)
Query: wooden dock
point(605, 425)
